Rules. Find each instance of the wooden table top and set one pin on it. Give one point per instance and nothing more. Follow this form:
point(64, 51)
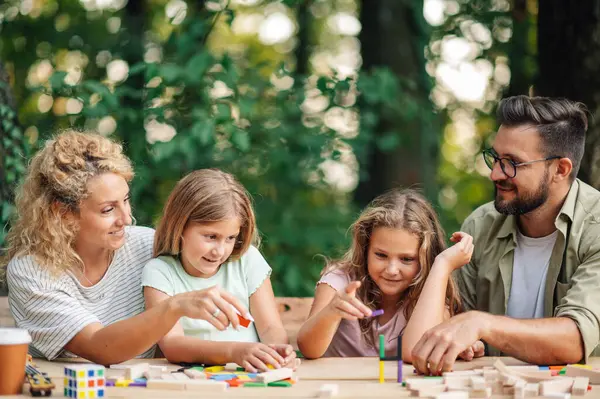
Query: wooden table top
point(356, 378)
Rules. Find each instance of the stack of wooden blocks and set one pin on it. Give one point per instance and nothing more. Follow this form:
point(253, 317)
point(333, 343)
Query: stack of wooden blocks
point(519, 381)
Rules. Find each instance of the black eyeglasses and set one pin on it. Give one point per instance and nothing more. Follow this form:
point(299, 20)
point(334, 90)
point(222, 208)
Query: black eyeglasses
point(508, 166)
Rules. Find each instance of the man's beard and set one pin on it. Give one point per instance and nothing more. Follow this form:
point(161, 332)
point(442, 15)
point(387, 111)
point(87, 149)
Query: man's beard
point(525, 203)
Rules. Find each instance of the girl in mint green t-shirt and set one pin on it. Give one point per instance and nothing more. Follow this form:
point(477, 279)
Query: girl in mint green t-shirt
point(204, 240)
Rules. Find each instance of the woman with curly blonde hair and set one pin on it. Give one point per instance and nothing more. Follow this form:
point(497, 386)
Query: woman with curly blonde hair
point(74, 262)
point(397, 262)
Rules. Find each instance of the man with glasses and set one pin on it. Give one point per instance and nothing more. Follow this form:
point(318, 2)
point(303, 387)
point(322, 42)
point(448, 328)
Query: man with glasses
point(532, 288)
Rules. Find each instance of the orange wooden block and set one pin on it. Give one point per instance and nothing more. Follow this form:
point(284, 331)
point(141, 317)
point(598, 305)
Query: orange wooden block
point(235, 383)
point(243, 321)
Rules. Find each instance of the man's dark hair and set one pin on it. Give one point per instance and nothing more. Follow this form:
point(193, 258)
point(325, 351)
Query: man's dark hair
point(561, 124)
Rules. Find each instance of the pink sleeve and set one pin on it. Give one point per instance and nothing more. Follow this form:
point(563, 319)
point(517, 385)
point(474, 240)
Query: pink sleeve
point(335, 279)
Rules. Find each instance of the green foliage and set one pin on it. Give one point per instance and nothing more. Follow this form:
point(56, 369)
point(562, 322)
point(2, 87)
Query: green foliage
point(226, 111)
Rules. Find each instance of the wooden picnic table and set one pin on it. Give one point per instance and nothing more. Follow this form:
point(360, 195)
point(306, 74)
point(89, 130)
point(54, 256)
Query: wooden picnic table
point(356, 378)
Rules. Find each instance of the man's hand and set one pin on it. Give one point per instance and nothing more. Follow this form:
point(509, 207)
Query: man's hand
point(474, 351)
point(439, 347)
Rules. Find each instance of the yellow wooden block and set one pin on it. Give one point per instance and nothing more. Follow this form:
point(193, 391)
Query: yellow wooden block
point(92, 393)
point(583, 366)
point(123, 383)
point(81, 384)
point(81, 394)
point(271, 366)
point(81, 374)
point(244, 377)
point(381, 374)
point(66, 382)
point(214, 369)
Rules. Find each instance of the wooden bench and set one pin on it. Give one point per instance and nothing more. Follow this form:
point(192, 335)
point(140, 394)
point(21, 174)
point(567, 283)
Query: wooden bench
point(293, 311)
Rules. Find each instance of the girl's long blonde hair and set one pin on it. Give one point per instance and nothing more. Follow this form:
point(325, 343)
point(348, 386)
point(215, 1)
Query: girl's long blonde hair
point(55, 185)
point(399, 209)
point(205, 196)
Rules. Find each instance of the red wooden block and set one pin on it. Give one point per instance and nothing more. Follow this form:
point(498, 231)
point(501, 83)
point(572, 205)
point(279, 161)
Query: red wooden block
point(243, 321)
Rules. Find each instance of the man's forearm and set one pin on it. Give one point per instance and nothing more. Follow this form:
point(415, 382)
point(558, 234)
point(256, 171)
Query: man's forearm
point(555, 340)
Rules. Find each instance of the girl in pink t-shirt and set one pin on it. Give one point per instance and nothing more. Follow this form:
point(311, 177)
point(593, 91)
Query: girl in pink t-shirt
point(397, 262)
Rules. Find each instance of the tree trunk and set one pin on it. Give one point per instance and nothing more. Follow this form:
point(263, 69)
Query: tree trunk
point(521, 55)
point(568, 58)
point(393, 35)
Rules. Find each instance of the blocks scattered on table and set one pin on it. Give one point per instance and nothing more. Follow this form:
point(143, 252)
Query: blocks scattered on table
point(84, 381)
point(519, 382)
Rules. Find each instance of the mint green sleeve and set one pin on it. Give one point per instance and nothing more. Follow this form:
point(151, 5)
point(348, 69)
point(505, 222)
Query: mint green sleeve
point(256, 269)
point(158, 274)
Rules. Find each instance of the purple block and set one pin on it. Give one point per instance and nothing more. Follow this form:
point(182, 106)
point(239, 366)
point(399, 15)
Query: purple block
point(399, 370)
point(138, 384)
point(109, 383)
point(377, 312)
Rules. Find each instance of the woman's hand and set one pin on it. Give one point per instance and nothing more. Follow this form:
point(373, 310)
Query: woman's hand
point(213, 304)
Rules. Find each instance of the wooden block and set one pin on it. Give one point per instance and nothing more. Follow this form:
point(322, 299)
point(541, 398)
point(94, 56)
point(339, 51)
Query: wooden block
point(527, 368)
point(328, 391)
point(481, 393)
point(214, 369)
point(155, 372)
point(491, 375)
point(417, 383)
point(232, 367)
point(166, 376)
point(205, 385)
point(532, 390)
point(122, 383)
point(556, 385)
point(529, 376)
point(519, 388)
point(180, 376)
point(457, 383)
point(195, 374)
point(576, 371)
point(275, 375)
point(508, 390)
point(478, 383)
point(136, 371)
point(497, 387)
point(172, 385)
point(429, 391)
point(453, 395)
point(463, 373)
point(580, 385)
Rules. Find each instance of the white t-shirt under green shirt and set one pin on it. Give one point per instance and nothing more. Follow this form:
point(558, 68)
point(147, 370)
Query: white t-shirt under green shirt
point(240, 278)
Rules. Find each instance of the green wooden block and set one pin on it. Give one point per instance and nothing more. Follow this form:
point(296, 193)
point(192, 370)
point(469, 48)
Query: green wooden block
point(255, 384)
point(280, 384)
point(198, 368)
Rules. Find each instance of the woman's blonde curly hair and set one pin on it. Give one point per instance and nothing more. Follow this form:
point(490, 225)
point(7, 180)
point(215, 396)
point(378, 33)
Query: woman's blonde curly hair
point(55, 185)
point(399, 209)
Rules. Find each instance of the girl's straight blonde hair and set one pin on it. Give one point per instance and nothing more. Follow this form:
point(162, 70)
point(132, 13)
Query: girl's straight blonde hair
point(398, 209)
point(205, 196)
point(55, 184)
